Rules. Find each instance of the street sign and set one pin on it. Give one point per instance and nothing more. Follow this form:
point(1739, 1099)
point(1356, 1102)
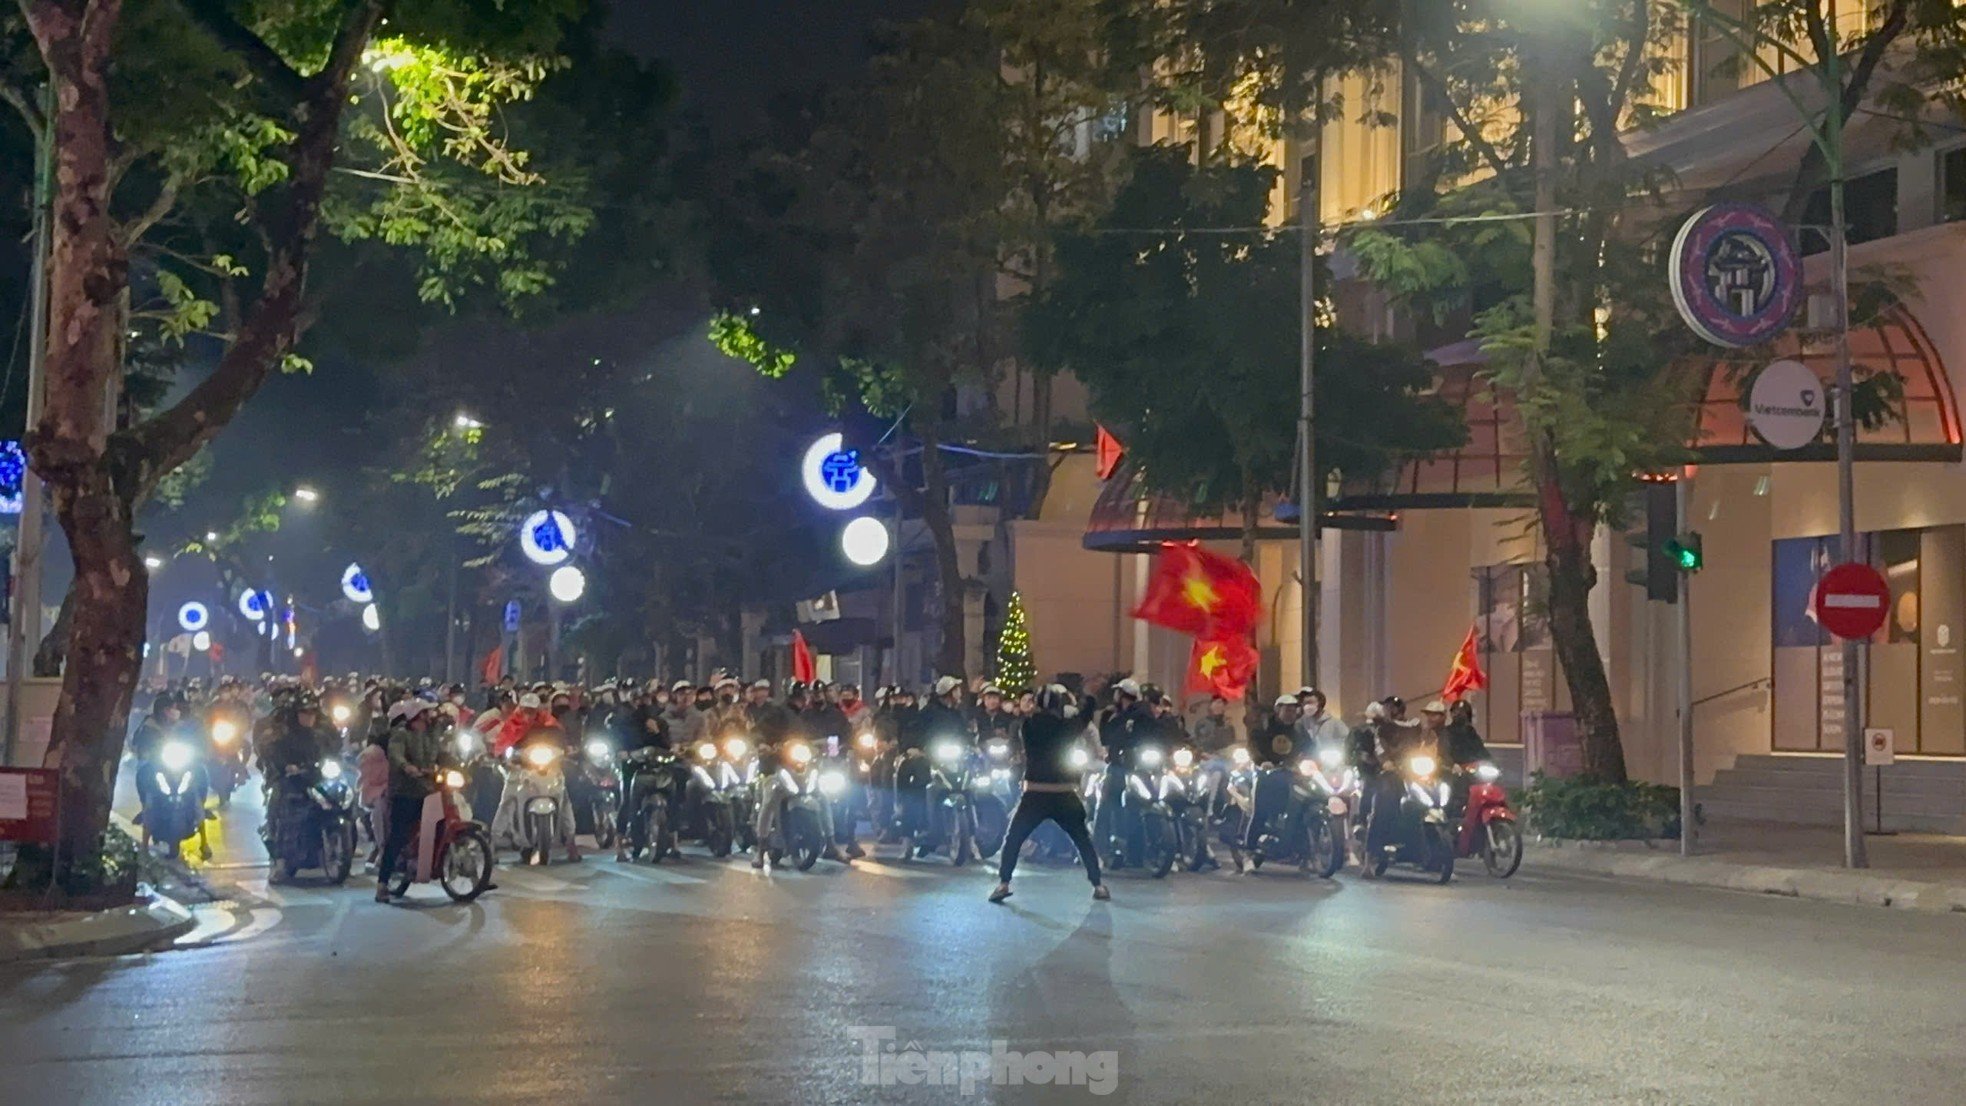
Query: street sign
point(512, 616)
point(1787, 405)
point(1880, 746)
point(1851, 601)
point(1735, 275)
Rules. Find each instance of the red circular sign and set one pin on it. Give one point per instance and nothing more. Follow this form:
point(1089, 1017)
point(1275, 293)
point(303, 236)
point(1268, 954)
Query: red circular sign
point(1852, 600)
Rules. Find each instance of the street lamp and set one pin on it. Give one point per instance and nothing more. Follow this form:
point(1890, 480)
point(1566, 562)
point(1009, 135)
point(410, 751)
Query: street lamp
point(567, 583)
point(153, 562)
point(466, 422)
point(306, 494)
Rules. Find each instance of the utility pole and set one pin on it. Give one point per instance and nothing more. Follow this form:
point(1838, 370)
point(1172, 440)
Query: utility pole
point(1683, 617)
point(24, 615)
point(1310, 497)
point(1854, 853)
point(450, 616)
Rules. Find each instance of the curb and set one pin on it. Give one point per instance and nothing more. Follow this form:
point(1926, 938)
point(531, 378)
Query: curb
point(139, 927)
point(1823, 885)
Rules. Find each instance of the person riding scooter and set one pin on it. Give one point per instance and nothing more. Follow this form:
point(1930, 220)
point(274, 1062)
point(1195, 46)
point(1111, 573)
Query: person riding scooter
point(1275, 742)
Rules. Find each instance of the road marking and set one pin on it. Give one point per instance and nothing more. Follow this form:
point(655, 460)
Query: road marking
point(533, 879)
point(878, 868)
point(643, 874)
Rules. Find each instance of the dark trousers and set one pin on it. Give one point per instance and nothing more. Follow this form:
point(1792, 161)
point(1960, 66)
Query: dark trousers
point(1033, 809)
point(405, 814)
point(1112, 791)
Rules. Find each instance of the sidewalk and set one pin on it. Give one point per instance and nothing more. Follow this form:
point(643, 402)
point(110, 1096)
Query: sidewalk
point(1909, 871)
point(153, 921)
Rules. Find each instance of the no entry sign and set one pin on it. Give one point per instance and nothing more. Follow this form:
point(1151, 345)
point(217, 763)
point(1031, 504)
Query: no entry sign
point(1851, 600)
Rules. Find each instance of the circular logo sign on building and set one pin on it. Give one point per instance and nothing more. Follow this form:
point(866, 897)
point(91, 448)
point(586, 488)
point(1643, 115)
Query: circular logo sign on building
point(833, 474)
point(1735, 275)
point(1851, 601)
point(1787, 405)
point(547, 537)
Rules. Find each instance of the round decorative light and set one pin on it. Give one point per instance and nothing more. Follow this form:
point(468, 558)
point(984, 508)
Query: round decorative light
point(202, 641)
point(193, 617)
point(547, 537)
point(567, 583)
point(355, 584)
point(371, 618)
point(253, 604)
point(834, 476)
point(864, 541)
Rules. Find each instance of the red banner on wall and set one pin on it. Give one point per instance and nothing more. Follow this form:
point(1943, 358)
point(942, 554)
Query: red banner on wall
point(27, 804)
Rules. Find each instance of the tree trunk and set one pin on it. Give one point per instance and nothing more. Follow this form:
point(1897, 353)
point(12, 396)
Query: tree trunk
point(1567, 539)
point(48, 659)
point(950, 653)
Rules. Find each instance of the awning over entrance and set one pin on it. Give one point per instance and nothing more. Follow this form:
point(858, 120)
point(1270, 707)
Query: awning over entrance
point(1487, 470)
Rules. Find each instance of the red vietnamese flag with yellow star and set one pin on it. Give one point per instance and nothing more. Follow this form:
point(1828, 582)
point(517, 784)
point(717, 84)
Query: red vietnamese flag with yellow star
point(1198, 592)
point(1464, 673)
point(1223, 666)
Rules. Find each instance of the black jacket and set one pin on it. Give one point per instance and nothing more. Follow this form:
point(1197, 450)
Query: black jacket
point(936, 721)
point(1275, 742)
point(1121, 730)
point(1048, 744)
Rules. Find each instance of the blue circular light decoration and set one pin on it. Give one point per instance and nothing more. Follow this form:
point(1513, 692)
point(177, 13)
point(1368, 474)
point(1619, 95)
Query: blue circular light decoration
point(833, 474)
point(355, 585)
point(193, 617)
point(13, 471)
point(547, 537)
point(254, 604)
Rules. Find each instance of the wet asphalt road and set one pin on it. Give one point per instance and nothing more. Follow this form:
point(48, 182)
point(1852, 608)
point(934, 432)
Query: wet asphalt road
point(706, 982)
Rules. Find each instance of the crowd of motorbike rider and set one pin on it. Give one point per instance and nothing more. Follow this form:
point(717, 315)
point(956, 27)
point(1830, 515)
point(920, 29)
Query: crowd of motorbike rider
point(397, 735)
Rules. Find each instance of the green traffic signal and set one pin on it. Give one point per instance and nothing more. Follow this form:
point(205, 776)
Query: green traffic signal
point(1685, 552)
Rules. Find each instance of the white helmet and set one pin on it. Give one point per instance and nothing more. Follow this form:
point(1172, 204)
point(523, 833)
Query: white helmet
point(407, 709)
point(529, 701)
point(1128, 686)
point(945, 684)
point(1284, 701)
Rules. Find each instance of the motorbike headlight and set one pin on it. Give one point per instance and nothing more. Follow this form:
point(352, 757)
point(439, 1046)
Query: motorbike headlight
point(1487, 773)
point(1152, 757)
point(1239, 756)
point(707, 751)
point(542, 756)
point(1307, 767)
point(1184, 758)
point(225, 732)
point(340, 713)
point(998, 749)
point(598, 749)
point(737, 748)
point(865, 740)
point(832, 784)
point(948, 751)
point(467, 743)
point(799, 753)
point(1331, 758)
point(330, 769)
point(453, 779)
point(175, 756)
point(1079, 758)
point(1422, 765)
point(1000, 773)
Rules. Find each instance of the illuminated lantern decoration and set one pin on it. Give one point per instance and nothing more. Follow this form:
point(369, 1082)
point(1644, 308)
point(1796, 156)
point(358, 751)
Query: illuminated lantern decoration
point(834, 476)
point(201, 641)
point(193, 617)
point(371, 618)
point(864, 541)
point(355, 584)
point(547, 537)
point(253, 604)
point(567, 583)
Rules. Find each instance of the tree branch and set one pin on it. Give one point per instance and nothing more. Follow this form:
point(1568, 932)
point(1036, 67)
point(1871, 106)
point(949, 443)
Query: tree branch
point(265, 62)
point(1438, 86)
point(29, 114)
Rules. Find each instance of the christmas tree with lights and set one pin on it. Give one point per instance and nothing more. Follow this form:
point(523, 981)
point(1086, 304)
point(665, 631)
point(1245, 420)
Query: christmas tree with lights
point(1016, 671)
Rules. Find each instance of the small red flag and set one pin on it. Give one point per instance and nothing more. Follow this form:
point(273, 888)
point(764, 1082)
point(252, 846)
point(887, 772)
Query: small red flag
point(1464, 674)
point(1198, 592)
point(1108, 450)
point(1223, 666)
point(803, 668)
point(493, 669)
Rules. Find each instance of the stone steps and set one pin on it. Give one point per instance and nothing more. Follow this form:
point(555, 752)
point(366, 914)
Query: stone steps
point(1919, 795)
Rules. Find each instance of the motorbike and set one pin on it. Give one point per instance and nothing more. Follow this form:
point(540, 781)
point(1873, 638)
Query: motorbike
point(1000, 778)
point(1143, 831)
point(1309, 813)
point(804, 785)
point(1189, 791)
point(225, 758)
point(541, 793)
point(483, 782)
point(448, 846)
point(870, 795)
point(312, 824)
point(1416, 830)
point(654, 774)
point(595, 792)
point(1488, 826)
point(722, 802)
point(951, 806)
point(175, 810)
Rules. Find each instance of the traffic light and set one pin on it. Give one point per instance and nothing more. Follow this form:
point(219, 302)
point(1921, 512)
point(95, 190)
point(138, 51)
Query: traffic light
point(1686, 553)
point(1657, 543)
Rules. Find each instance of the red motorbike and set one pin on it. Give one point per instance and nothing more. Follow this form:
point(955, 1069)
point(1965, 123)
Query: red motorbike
point(1488, 826)
point(448, 846)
